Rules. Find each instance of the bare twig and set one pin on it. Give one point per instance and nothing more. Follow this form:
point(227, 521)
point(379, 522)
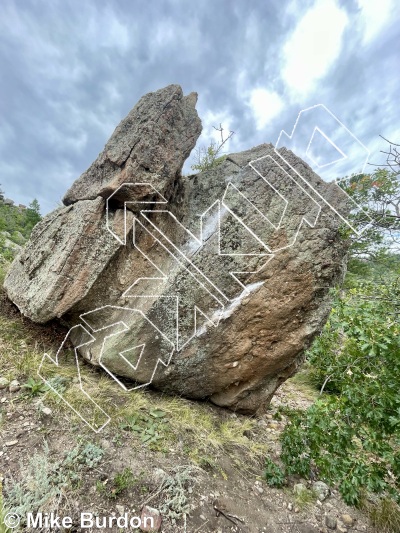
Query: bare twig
point(393, 156)
point(207, 158)
point(223, 141)
point(324, 384)
point(228, 516)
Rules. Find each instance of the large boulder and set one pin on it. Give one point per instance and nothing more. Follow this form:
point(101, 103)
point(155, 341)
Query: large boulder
point(207, 286)
point(71, 246)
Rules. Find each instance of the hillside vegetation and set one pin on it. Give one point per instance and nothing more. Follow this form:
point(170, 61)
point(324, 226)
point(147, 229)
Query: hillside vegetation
point(16, 224)
point(350, 437)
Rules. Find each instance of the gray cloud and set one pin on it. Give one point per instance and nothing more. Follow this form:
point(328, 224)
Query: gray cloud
point(70, 71)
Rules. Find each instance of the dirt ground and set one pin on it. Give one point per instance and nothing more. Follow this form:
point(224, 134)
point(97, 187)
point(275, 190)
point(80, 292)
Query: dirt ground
point(203, 470)
point(228, 494)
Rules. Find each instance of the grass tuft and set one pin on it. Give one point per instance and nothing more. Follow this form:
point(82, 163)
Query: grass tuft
point(384, 515)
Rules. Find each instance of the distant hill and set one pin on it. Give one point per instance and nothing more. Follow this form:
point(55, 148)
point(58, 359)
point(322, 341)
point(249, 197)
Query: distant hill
point(16, 224)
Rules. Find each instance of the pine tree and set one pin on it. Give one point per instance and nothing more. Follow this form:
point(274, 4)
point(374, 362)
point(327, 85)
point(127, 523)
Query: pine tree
point(32, 214)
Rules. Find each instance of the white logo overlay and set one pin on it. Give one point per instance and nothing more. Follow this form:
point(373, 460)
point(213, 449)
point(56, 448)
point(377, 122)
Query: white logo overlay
point(87, 520)
point(318, 138)
point(11, 520)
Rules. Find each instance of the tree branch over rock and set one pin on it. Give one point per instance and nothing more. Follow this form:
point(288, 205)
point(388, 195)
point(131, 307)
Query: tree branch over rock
point(207, 158)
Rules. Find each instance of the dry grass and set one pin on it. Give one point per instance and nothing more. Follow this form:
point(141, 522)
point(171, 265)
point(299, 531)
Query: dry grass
point(199, 427)
point(304, 384)
point(384, 515)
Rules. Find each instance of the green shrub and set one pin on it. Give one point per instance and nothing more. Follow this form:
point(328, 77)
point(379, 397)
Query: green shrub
point(274, 474)
point(175, 489)
point(150, 427)
point(351, 437)
point(89, 455)
point(35, 388)
point(44, 480)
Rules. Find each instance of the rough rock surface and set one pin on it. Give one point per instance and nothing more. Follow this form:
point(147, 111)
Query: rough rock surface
point(208, 286)
point(150, 145)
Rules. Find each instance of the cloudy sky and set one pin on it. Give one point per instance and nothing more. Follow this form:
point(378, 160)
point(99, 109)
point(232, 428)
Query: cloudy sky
point(71, 70)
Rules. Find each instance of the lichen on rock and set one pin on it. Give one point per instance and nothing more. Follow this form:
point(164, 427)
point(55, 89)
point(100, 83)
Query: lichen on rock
point(213, 285)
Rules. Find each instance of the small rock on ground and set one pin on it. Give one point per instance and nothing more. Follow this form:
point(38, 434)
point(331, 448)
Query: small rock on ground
point(347, 520)
point(4, 383)
point(321, 489)
point(120, 509)
point(299, 488)
point(14, 386)
point(330, 521)
point(149, 516)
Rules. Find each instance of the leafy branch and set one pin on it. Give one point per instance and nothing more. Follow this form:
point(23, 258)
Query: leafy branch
point(210, 157)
